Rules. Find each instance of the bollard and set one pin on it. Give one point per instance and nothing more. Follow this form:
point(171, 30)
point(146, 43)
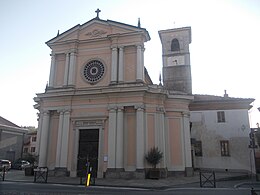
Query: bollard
point(87, 174)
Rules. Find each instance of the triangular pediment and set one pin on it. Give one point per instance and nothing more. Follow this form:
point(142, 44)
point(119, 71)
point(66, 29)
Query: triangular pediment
point(96, 29)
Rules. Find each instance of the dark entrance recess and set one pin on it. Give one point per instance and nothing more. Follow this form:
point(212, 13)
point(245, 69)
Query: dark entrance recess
point(88, 151)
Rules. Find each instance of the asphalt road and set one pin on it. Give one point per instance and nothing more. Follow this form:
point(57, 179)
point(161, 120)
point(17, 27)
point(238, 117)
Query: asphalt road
point(21, 188)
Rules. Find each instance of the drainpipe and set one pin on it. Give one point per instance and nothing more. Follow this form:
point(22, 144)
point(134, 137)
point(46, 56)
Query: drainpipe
point(22, 146)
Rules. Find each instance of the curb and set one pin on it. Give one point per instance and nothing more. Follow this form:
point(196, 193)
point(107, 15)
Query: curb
point(162, 187)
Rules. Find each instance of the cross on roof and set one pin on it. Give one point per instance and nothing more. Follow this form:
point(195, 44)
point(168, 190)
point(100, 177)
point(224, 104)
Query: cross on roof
point(97, 11)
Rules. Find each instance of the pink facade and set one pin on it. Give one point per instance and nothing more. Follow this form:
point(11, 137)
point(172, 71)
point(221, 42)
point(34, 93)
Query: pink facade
point(99, 106)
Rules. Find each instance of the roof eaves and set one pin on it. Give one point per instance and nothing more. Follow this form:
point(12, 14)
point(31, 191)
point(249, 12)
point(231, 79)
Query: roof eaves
point(132, 26)
point(62, 34)
point(4, 121)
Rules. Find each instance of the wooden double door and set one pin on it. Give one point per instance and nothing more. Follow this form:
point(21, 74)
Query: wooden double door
point(88, 151)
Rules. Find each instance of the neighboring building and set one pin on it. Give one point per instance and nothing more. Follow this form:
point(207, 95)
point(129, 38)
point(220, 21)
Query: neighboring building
point(11, 140)
point(220, 133)
point(30, 143)
point(101, 105)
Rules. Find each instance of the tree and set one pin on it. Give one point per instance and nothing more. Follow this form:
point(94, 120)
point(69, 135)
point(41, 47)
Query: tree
point(154, 156)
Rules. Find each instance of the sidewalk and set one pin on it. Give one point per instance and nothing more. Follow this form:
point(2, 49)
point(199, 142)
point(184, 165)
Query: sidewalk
point(170, 182)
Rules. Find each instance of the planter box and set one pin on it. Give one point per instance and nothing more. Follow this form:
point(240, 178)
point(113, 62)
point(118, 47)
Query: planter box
point(154, 173)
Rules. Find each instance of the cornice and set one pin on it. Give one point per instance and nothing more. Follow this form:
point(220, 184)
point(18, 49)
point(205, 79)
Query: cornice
point(185, 97)
point(13, 129)
point(97, 90)
point(220, 105)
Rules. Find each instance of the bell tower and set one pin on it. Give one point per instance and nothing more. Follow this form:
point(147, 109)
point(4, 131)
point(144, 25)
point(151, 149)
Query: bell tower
point(176, 59)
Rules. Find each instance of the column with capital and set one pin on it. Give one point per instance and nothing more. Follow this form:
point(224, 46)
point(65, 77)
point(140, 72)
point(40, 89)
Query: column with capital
point(114, 65)
point(140, 138)
point(142, 62)
point(72, 66)
point(38, 139)
point(66, 71)
point(73, 171)
point(139, 64)
point(187, 144)
point(44, 139)
point(161, 134)
point(112, 138)
point(120, 139)
point(52, 70)
point(59, 139)
point(121, 65)
point(65, 139)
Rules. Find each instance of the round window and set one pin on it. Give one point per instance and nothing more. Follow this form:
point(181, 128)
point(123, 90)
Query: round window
point(94, 71)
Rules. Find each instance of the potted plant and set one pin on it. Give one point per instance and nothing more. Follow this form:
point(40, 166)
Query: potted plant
point(154, 157)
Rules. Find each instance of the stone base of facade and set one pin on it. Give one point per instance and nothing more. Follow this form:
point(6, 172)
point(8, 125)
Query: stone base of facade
point(59, 172)
point(189, 172)
point(175, 173)
point(163, 173)
point(122, 174)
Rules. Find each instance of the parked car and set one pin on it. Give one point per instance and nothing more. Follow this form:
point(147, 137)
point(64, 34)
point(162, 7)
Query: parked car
point(5, 163)
point(21, 164)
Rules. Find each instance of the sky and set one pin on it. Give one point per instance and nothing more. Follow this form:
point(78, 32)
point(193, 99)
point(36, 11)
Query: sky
point(224, 52)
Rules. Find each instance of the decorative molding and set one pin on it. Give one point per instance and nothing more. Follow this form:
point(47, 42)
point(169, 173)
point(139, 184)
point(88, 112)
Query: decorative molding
point(185, 114)
point(96, 33)
point(72, 51)
point(46, 112)
point(160, 109)
point(64, 110)
point(120, 108)
point(86, 123)
point(112, 108)
point(139, 107)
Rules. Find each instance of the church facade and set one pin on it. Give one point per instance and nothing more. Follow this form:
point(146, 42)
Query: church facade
point(101, 106)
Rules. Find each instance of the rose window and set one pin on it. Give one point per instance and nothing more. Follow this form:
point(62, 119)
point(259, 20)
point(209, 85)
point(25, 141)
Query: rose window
point(94, 71)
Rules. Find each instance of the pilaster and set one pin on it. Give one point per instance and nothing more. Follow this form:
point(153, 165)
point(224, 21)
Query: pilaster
point(187, 143)
point(121, 65)
point(65, 139)
point(52, 70)
point(140, 138)
point(66, 71)
point(44, 139)
point(161, 134)
point(59, 139)
point(114, 65)
point(38, 139)
point(72, 64)
point(120, 138)
point(73, 171)
point(139, 64)
point(112, 138)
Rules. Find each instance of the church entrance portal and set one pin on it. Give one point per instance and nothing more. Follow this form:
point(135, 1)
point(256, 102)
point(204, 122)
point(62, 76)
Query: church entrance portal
point(88, 151)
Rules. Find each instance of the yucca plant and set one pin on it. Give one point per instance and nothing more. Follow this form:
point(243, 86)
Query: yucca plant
point(154, 156)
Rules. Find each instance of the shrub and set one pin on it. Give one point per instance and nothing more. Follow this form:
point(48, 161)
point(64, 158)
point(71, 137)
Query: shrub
point(154, 156)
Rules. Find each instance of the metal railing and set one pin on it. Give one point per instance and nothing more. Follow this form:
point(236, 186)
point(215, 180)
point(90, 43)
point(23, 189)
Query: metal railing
point(40, 174)
point(207, 179)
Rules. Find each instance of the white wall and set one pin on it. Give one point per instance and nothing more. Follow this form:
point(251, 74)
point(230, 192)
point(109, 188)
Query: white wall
point(236, 130)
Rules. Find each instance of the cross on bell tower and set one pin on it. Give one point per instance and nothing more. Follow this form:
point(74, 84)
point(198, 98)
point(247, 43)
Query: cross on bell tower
point(97, 11)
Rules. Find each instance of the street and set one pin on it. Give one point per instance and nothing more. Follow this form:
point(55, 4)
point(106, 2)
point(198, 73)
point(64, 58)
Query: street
point(22, 188)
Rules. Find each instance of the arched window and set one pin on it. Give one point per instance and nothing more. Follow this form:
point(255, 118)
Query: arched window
point(175, 46)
